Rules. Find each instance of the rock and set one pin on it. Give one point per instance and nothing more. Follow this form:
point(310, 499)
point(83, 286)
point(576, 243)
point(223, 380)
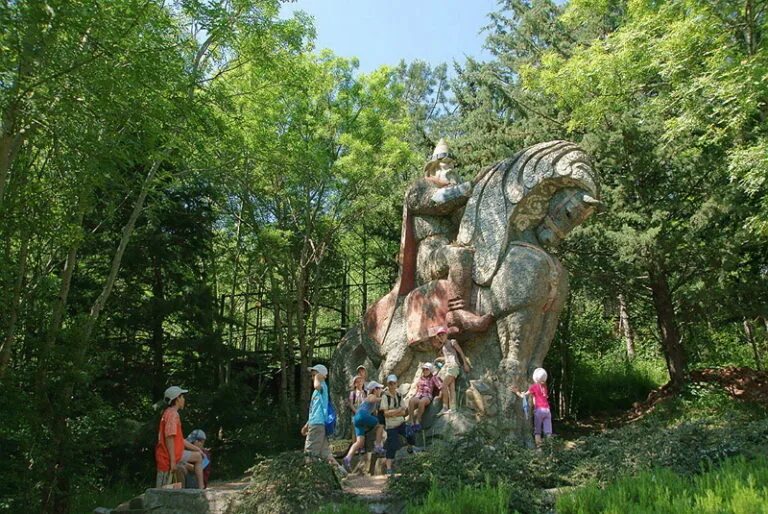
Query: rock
point(191, 501)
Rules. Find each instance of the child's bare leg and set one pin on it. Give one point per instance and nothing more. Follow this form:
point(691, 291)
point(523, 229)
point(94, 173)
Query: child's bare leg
point(448, 388)
point(196, 459)
point(379, 434)
point(356, 446)
point(423, 404)
point(537, 438)
point(412, 407)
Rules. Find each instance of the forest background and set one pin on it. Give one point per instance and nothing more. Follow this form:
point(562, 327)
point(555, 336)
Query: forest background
point(191, 195)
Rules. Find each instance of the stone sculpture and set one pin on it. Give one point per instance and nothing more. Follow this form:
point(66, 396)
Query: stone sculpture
point(490, 277)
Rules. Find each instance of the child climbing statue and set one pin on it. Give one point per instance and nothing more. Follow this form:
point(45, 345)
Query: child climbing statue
point(449, 353)
point(364, 419)
point(542, 417)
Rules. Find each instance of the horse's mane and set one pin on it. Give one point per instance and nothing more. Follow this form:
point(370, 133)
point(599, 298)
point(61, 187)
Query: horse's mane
point(513, 196)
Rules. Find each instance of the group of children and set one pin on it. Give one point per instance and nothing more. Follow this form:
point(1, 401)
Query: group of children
point(374, 406)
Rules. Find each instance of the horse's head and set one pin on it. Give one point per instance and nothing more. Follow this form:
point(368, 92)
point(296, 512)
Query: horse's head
point(539, 196)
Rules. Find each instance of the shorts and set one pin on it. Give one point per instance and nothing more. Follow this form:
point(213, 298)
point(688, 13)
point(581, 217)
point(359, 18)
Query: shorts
point(423, 396)
point(380, 417)
point(364, 421)
point(542, 419)
point(392, 444)
point(164, 478)
point(316, 444)
point(453, 371)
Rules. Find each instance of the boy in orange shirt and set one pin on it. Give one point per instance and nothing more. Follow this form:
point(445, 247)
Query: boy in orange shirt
point(171, 443)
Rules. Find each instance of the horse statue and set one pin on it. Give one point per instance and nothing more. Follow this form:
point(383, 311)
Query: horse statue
point(514, 289)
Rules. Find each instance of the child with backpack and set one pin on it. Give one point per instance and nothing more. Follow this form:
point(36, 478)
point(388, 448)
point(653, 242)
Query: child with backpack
point(394, 416)
point(316, 442)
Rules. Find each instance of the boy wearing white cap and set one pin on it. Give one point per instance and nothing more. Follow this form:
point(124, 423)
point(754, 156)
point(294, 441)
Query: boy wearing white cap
point(169, 450)
point(316, 442)
point(394, 415)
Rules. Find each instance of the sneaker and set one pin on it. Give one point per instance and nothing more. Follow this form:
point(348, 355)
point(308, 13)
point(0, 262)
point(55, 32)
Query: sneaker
point(347, 464)
point(379, 450)
point(417, 427)
point(390, 472)
point(449, 411)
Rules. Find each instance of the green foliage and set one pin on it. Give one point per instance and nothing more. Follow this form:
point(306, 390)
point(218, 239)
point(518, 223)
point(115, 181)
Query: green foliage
point(738, 485)
point(702, 425)
point(486, 499)
point(475, 460)
point(287, 483)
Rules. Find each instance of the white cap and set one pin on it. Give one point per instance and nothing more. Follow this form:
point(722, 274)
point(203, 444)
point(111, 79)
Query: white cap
point(391, 378)
point(322, 370)
point(172, 393)
point(427, 365)
point(361, 367)
point(539, 375)
point(373, 385)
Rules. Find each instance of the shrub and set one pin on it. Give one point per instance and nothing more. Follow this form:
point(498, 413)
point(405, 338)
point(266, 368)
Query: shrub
point(476, 460)
point(286, 484)
point(737, 486)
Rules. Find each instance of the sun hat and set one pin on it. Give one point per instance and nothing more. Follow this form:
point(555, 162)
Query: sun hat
point(373, 385)
point(539, 375)
point(196, 435)
point(428, 365)
point(361, 367)
point(172, 393)
point(322, 370)
point(391, 378)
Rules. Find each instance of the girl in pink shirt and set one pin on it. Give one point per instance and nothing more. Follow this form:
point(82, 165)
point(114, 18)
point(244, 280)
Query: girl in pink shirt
point(542, 417)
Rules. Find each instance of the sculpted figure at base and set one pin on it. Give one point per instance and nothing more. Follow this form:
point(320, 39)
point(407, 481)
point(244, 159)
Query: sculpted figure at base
point(491, 278)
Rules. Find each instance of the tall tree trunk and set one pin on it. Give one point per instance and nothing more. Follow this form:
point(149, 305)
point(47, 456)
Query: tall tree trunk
point(158, 336)
point(666, 320)
point(117, 259)
point(301, 332)
point(749, 333)
point(626, 328)
point(13, 315)
point(280, 338)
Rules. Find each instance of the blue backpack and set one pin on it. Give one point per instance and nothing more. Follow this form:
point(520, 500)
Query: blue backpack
point(330, 419)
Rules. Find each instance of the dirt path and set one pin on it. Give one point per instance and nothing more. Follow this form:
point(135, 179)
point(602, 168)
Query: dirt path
point(365, 486)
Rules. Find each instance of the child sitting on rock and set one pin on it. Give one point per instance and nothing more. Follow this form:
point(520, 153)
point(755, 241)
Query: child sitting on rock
point(542, 417)
point(364, 420)
point(426, 388)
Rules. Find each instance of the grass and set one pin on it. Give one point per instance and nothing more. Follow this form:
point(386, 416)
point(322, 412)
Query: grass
point(486, 499)
point(110, 497)
point(737, 486)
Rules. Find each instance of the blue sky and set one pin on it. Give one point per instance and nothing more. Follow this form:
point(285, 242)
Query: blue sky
point(385, 31)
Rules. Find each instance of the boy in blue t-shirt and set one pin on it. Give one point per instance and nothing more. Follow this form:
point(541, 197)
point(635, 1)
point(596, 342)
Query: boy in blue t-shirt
point(316, 442)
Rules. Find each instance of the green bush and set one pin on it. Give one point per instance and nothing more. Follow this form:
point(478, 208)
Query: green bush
point(477, 460)
point(738, 486)
point(287, 484)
